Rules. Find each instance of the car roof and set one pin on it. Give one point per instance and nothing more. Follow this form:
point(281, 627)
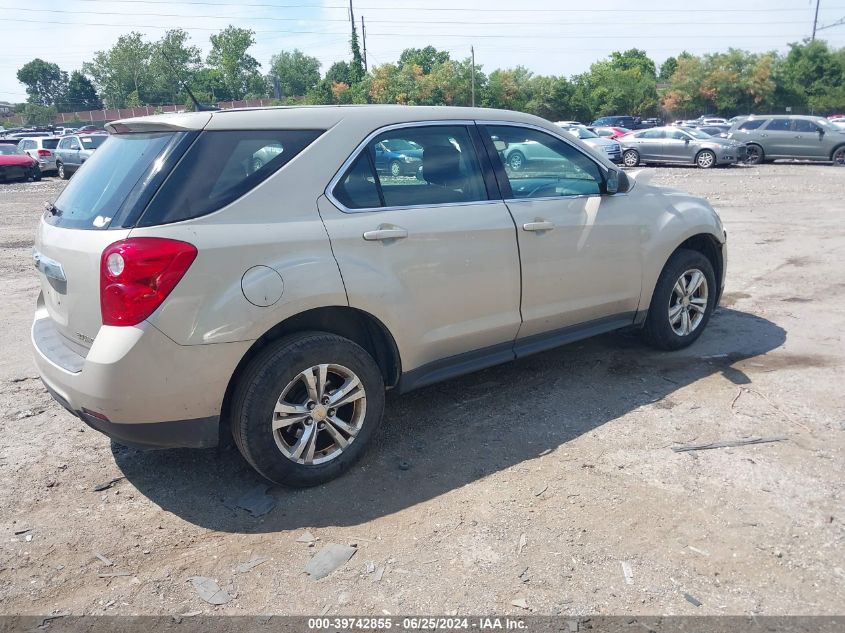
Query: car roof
point(315, 117)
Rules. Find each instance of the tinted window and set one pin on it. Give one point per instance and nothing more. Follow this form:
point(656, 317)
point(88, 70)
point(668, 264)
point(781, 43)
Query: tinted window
point(676, 135)
point(539, 165)
point(803, 125)
point(219, 168)
point(95, 194)
point(50, 143)
point(778, 125)
point(92, 142)
point(752, 124)
point(358, 188)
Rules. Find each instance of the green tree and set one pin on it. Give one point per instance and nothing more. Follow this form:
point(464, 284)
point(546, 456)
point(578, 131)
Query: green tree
point(668, 68)
point(296, 72)
point(626, 83)
point(46, 83)
point(811, 75)
point(356, 68)
point(235, 66)
point(37, 114)
point(426, 58)
point(173, 64)
point(123, 74)
point(81, 94)
point(510, 89)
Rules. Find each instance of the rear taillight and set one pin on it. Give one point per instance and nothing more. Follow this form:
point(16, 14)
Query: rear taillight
point(137, 274)
point(45, 152)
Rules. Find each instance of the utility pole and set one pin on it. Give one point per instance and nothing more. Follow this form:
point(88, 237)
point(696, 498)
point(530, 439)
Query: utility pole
point(815, 21)
point(472, 51)
point(364, 41)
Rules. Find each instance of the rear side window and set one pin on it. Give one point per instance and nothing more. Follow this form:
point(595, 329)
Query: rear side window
point(219, 168)
point(753, 124)
point(779, 125)
point(803, 125)
point(650, 134)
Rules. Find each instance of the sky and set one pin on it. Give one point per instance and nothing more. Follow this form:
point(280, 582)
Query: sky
point(560, 37)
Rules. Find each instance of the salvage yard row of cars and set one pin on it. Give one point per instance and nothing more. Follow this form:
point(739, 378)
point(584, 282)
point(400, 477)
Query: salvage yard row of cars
point(44, 152)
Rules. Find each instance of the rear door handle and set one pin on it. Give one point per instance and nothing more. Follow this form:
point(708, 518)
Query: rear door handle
point(539, 225)
point(386, 232)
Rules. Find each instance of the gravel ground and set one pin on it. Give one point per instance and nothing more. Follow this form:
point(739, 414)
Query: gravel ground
point(547, 486)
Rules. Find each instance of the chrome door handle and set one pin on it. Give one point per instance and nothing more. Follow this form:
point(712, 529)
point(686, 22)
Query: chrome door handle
point(386, 233)
point(539, 225)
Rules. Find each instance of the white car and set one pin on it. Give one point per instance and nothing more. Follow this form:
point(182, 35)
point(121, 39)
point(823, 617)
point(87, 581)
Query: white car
point(42, 149)
point(605, 146)
point(838, 122)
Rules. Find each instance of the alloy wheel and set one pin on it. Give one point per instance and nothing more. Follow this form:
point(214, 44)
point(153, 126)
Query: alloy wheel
point(318, 414)
point(839, 157)
point(706, 159)
point(753, 155)
point(395, 169)
point(631, 158)
point(688, 303)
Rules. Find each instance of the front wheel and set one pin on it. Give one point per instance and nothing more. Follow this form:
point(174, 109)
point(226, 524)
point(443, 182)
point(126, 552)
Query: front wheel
point(631, 158)
point(60, 169)
point(395, 169)
point(754, 155)
point(516, 161)
point(838, 156)
point(307, 407)
point(683, 300)
point(705, 159)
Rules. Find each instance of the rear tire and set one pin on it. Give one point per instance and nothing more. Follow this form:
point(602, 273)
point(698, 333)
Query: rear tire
point(60, 170)
point(666, 327)
point(304, 449)
point(838, 156)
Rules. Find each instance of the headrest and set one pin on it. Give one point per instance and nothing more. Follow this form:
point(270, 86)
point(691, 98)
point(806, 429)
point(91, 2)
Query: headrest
point(442, 165)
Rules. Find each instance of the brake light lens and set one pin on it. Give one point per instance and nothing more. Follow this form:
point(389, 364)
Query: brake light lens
point(45, 152)
point(137, 275)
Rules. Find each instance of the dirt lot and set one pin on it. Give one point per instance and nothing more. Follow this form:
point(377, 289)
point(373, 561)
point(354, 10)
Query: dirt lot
point(550, 480)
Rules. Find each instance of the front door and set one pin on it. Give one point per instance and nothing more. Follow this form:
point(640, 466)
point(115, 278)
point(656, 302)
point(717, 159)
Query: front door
point(434, 254)
point(809, 140)
point(579, 249)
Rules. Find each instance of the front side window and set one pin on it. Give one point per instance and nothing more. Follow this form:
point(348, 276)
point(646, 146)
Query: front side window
point(803, 125)
point(414, 166)
point(778, 125)
point(539, 165)
point(220, 167)
point(677, 135)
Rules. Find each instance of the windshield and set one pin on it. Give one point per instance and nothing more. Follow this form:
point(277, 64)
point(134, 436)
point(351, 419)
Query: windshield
point(93, 142)
point(582, 132)
point(95, 194)
point(696, 133)
point(400, 145)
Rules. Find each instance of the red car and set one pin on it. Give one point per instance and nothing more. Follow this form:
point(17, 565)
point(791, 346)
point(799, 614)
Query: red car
point(16, 164)
point(611, 132)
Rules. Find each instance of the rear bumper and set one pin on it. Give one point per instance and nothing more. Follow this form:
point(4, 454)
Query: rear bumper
point(136, 385)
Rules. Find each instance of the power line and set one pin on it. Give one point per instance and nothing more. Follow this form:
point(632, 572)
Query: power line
point(472, 10)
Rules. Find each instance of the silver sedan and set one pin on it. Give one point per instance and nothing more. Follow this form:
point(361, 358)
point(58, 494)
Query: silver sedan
point(679, 145)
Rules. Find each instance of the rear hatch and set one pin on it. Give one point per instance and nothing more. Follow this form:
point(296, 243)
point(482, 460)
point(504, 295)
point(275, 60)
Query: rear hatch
point(99, 206)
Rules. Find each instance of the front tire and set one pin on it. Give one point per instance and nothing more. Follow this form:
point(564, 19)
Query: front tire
point(516, 161)
point(705, 159)
point(754, 154)
point(631, 158)
point(838, 156)
point(307, 407)
point(683, 300)
point(395, 169)
point(60, 169)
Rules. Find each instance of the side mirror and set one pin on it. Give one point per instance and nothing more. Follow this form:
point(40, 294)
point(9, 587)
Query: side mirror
point(500, 145)
point(821, 132)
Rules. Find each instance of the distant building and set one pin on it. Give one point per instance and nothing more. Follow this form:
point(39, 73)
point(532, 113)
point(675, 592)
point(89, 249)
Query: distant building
point(6, 107)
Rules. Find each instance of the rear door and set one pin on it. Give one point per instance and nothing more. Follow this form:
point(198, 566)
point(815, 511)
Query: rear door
point(434, 256)
point(650, 144)
point(778, 139)
point(579, 249)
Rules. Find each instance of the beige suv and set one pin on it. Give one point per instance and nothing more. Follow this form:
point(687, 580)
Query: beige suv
point(255, 273)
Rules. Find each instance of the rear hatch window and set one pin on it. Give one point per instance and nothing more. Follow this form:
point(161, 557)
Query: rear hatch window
point(101, 191)
point(50, 143)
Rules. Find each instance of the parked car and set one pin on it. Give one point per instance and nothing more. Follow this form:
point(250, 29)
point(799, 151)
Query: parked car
point(715, 130)
point(679, 145)
point(774, 136)
point(91, 129)
point(72, 151)
point(182, 297)
point(17, 165)
point(606, 146)
point(838, 122)
point(630, 122)
point(710, 120)
point(42, 149)
point(611, 132)
point(398, 158)
point(568, 123)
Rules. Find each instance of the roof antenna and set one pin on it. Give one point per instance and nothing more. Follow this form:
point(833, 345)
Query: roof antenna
point(199, 106)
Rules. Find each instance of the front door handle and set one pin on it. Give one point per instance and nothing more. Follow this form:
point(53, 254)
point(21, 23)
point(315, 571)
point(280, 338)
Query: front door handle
point(386, 232)
point(539, 225)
